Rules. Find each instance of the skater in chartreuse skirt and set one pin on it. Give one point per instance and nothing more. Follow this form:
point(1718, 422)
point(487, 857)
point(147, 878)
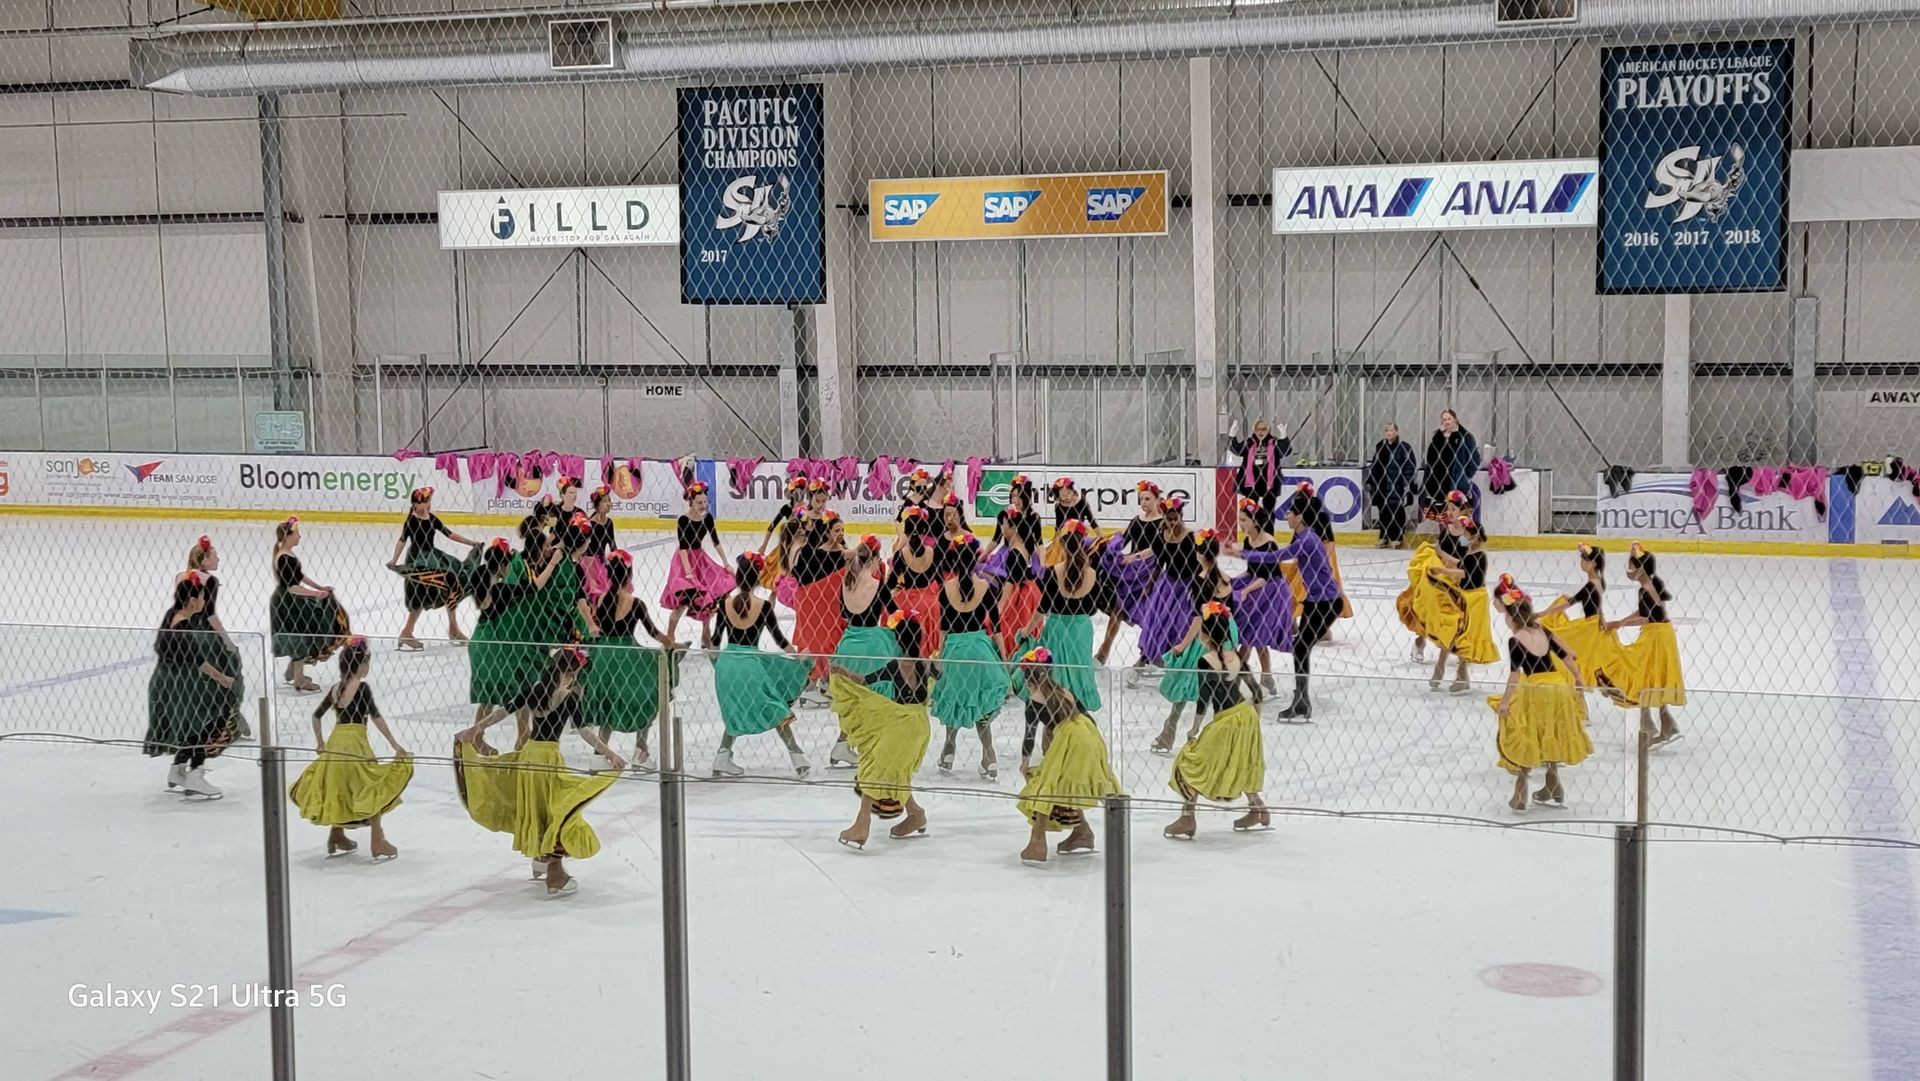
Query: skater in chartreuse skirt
point(307, 620)
point(1075, 774)
point(1587, 635)
point(346, 787)
point(883, 715)
point(1648, 672)
point(622, 685)
point(189, 698)
point(1227, 759)
point(1543, 718)
point(973, 678)
point(531, 793)
point(756, 688)
point(865, 646)
point(434, 579)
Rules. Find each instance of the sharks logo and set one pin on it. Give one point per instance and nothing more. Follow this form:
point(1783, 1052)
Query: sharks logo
point(754, 209)
point(1694, 182)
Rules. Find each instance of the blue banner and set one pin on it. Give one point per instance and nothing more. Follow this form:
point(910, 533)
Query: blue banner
point(1693, 167)
point(752, 205)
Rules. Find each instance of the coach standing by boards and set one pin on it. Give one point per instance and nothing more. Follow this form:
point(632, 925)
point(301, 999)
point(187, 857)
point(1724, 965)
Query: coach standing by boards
point(1259, 475)
point(1453, 457)
point(1390, 481)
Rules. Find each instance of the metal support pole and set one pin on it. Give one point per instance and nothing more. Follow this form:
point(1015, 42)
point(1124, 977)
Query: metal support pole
point(426, 409)
point(274, 232)
point(273, 818)
point(1119, 941)
point(673, 883)
point(1803, 397)
point(1629, 951)
point(379, 408)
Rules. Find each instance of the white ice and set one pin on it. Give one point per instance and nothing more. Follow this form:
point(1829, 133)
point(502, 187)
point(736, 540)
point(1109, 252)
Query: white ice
point(1332, 947)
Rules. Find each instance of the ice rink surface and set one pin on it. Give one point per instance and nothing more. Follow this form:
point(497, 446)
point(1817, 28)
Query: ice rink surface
point(1337, 946)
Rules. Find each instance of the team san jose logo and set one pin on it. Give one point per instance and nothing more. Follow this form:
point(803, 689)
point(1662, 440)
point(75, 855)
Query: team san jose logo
point(1693, 181)
point(754, 208)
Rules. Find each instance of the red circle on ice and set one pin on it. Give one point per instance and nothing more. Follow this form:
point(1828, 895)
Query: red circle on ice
point(1541, 981)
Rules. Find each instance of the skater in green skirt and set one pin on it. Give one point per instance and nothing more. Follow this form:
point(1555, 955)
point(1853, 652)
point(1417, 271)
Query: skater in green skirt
point(973, 679)
point(756, 688)
point(505, 657)
point(621, 690)
point(189, 699)
point(865, 646)
point(308, 622)
point(1070, 593)
point(433, 578)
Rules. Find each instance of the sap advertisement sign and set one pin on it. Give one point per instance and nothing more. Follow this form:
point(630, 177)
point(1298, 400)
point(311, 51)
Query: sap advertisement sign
point(1693, 167)
point(559, 217)
point(1460, 195)
point(1018, 207)
point(752, 207)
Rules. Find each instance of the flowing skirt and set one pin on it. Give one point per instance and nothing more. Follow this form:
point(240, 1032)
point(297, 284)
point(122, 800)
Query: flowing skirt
point(1164, 617)
point(1074, 776)
point(1070, 640)
point(1597, 650)
point(819, 621)
point(924, 603)
point(1298, 585)
point(622, 687)
point(434, 579)
point(699, 592)
point(306, 629)
point(1226, 761)
point(531, 794)
point(1463, 625)
point(1131, 581)
point(187, 709)
point(973, 681)
point(1018, 603)
point(1422, 602)
point(505, 655)
point(864, 651)
point(1181, 680)
point(995, 565)
point(1264, 615)
point(891, 739)
point(756, 688)
point(346, 785)
point(1648, 672)
point(1548, 722)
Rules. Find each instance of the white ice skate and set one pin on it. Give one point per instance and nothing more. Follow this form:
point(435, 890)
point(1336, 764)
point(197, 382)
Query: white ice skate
point(539, 870)
point(641, 762)
point(724, 765)
point(801, 767)
point(989, 773)
point(565, 889)
point(1419, 654)
point(843, 756)
point(195, 783)
point(176, 773)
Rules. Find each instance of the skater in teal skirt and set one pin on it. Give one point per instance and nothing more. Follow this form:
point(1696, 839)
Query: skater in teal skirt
point(1070, 593)
point(621, 690)
point(756, 688)
point(973, 679)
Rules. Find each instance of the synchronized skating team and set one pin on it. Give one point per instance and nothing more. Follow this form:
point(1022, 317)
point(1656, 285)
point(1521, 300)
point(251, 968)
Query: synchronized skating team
point(944, 630)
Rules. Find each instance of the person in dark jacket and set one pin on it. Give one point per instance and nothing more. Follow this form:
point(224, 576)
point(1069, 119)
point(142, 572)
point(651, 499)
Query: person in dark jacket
point(1390, 481)
point(1259, 476)
point(1453, 457)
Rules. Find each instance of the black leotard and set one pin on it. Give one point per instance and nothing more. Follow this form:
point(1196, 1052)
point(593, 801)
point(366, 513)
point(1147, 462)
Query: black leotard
point(496, 598)
point(621, 627)
point(1079, 512)
point(689, 535)
point(1219, 689)
point(600, 539)
point(1176, 558)
point(419, 533)
point(900, 576)
point(1263, 571)
point(1652, 610)
point(1473, 569)
point(287, 570)
point(1026, 526)
point(1054, 600)
point(1141, 533)
point(353, 712)
point(1528, 663)
point(1588, 598)
point(548, 726)
point(1451, 545)
point(750, 634)
point(954, 621)
point(876, 609)
point(814, 563)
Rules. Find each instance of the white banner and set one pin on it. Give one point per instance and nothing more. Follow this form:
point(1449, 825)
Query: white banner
point(1886, 512)
point(652, 491)
point(1661, 506)
point(1109, 492)
point(1456, 195)
point(764, 493)
point(560, 217)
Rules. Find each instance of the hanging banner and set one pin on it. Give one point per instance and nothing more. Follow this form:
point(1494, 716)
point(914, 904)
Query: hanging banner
point(559, 217)
point(1018, 207)
point(752, 205)
point(1693, 167)
point(1459, 195)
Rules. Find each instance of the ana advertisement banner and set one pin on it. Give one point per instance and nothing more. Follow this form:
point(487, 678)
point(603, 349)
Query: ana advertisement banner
point(1458, 195)
point(1109, 491)
point(1661, 505)
point(1693, 167)
point(752, 205)
point(560, 217)
point(1018, 207)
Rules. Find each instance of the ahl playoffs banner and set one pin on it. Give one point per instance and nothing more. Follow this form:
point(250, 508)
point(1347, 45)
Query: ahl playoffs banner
point(1693, 167)
point(752, 208)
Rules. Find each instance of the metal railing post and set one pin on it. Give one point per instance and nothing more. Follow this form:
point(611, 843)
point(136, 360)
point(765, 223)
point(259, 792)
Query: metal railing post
point(1119, 868)
point(1629, 951)
point(273, 817)
point(673, 881)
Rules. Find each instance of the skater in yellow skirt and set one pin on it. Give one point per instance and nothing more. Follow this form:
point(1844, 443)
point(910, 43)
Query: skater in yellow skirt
point(531, 793)
point(1423, 600)
point(1543, 718)
point(884, 717)
point(1227, 759)
point(1074, 776)
point(1462, 624)
point(1586, 635)
point(346, 787)
point(1648, 671)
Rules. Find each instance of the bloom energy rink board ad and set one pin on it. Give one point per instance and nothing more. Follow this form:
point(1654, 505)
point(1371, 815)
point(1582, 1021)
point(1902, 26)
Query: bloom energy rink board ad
point(1693, 167)
point(1018, 207)
point(752, 212)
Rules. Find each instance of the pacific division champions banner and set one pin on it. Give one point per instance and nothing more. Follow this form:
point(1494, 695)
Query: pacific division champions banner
point(1693, 167)
point(752, 210)
point(1018, 207)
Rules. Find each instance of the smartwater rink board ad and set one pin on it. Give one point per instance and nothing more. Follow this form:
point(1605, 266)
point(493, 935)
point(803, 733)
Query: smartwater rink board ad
point(1693, 167)
point(752, 200)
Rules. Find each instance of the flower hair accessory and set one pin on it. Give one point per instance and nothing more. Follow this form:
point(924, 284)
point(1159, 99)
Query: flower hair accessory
point(870, 542)
point(759, 561)
point(1061, 483)
point(1215, 608)
point(1037, 655)
point(575, 656)
point(619, 555)
point(498, 544)
point(1020, 480)
point(579, 522)
point(358, 641)
point(196, 578)
point(1248, 505)
point(921, 476)
point(204, 544)
point(1467, 523)
point(1146, 486)
point(1585, 550)
point(422, 494)
point(600, 493)
point(914, 513)
point(816, 485)
point(1457, 497)
point(1075, 526)
point(1175, 504)
point(1305, 488)
point(696, 488)
point(796, 484)
point(830, 517)
point(1202, 537)
point(567, 482)
point(951, 500)
point(896, 617)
